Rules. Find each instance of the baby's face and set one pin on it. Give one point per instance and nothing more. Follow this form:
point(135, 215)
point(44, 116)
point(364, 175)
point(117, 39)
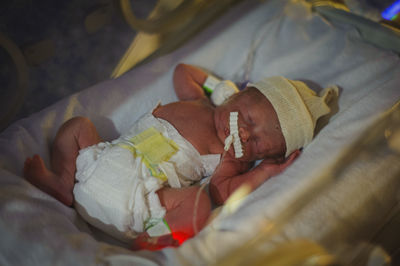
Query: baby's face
point(258, 124)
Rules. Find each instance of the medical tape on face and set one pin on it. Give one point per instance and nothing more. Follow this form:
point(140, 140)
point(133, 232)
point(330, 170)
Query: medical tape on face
point(234, 136)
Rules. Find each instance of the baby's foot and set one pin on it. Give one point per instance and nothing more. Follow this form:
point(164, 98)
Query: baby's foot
point(37, 174)
point(35, 170)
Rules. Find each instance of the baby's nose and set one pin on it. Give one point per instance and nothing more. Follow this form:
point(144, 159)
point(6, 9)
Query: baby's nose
point(244, 134)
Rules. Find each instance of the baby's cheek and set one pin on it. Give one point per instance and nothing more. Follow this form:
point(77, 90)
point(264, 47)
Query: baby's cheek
point(248, 152)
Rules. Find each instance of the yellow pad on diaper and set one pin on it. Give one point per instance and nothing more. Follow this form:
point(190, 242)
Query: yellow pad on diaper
point(154, 148)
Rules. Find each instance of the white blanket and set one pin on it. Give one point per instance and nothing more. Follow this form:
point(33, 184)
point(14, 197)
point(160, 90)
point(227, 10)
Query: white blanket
point(253, 40)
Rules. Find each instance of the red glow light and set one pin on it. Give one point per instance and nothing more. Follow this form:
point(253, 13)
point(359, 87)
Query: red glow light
point(180, 237)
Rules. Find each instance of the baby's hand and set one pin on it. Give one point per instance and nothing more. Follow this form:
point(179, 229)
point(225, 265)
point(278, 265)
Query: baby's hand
point(275, 168)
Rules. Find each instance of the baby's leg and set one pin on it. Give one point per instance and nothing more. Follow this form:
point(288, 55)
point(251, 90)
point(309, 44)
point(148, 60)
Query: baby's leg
point(75, 134)
point(183, 215)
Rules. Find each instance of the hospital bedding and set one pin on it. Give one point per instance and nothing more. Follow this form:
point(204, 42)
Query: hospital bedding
point(251, 41)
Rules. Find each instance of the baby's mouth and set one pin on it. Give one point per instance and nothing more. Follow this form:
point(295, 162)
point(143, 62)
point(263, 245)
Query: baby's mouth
point(227, 132)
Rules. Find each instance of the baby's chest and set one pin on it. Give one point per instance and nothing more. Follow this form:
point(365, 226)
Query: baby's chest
point(198, 132)
point(193, 121)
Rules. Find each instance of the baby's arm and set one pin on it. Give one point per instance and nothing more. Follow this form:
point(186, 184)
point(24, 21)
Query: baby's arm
point(188, 82)
point(233, 174)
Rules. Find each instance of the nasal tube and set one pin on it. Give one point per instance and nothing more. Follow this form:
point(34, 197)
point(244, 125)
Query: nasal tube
point(234, 136)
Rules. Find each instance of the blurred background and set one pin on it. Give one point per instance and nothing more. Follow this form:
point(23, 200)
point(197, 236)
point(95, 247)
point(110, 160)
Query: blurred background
point(51, 49)
point(58, 48)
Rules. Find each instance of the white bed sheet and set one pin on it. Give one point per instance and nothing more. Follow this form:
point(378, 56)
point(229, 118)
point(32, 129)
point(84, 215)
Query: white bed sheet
point(253, 40)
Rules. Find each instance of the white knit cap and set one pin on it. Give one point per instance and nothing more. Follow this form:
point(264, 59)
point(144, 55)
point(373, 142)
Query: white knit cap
point(297, 106)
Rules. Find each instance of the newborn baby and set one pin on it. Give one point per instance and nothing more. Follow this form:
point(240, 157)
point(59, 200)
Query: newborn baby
point(143, 181)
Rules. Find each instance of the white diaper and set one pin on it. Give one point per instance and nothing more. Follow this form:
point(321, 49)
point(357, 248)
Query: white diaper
point(115, 191)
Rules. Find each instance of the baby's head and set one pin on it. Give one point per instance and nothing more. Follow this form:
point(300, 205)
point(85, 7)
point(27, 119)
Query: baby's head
point(276, 117)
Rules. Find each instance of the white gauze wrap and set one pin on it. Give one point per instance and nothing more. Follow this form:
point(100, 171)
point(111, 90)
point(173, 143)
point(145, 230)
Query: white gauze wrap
point(220, 90)
point(223, 91)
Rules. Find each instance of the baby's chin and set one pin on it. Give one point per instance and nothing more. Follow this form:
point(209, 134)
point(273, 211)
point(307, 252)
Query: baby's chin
point(248, 157)
point(243, 158)
point(231, 153)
